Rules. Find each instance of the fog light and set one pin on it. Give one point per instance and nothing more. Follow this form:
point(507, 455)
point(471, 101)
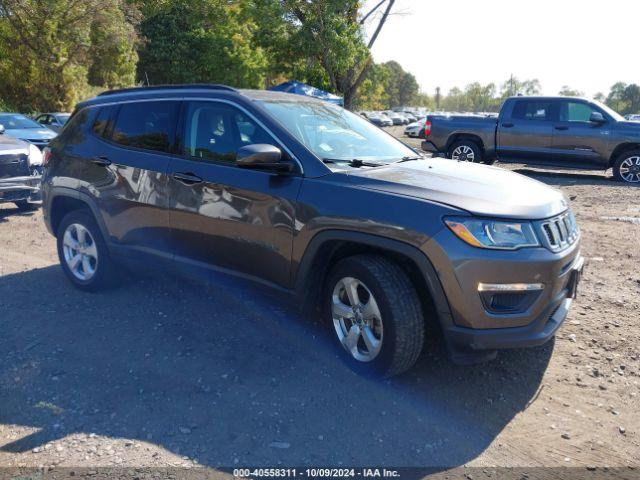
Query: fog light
point(510, 287)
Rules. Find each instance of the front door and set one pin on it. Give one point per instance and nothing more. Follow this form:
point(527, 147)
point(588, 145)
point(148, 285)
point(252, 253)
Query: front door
point(526, 132)
point(224, 217)
point(577, 141)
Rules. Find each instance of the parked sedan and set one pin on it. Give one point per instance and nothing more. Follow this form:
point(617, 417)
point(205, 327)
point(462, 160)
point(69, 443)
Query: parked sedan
point(415, 129)
point(396, 118)
point(20, 170)
point(53, 121)
point(22, 127)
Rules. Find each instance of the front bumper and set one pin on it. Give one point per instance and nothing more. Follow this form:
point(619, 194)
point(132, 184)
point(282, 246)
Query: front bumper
point(471, 325)
point(20, 188)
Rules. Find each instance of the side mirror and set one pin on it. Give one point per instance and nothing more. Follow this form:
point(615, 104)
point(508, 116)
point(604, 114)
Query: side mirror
point(262, 156)
point(597, 117)
point(1, 129)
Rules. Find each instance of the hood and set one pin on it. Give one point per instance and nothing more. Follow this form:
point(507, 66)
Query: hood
point(10, 145)
point(478, 189)
point(31, 133)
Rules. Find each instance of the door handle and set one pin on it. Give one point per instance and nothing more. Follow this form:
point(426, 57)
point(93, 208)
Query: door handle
point(561, 127)
point(507, 125)
point(101, 161)
point(187, 178)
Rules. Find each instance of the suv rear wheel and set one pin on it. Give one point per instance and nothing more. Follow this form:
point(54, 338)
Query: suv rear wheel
point(374, 314)
point(82, 252)
point(627, 167)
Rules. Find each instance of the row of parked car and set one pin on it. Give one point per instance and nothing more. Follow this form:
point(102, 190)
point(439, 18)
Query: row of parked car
point(388, 118)
point(22, 140)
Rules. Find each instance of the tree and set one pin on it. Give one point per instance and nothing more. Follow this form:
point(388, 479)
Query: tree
point(402, 86)
point(615, 99)
point(193, 41)
point(513, 87)
point(567, 91)
point(631, 97)
point(330, 34)
point(56, 52)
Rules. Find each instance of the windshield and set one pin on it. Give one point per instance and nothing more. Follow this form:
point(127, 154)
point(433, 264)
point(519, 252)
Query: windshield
point(334, 134)
point(15, 121)
point(616, 116)
point(63, 118)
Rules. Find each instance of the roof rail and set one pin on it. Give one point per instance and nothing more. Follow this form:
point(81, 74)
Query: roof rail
point(209, 86)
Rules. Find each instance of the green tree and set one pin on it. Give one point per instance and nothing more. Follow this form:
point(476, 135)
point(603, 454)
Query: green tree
point(194, 41)
point(402, 86)
point(615, 99)
point(329, 34)
point(631, 97)
point(373, 93)
point(513, 86)
point(567, 91)
point(49, 48)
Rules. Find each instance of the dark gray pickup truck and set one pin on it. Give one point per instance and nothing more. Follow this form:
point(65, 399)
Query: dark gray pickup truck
point(561, 132)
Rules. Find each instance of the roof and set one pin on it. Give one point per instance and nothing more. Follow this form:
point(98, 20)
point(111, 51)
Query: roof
point(202, 89)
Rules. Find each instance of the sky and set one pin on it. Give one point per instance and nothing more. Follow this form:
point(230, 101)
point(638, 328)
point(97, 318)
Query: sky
point(585, 44)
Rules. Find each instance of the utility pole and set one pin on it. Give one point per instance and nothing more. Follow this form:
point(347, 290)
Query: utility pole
point(437, 98)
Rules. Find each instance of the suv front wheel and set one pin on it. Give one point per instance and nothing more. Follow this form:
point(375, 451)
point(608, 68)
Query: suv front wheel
point(82, 252)
point(375, 315)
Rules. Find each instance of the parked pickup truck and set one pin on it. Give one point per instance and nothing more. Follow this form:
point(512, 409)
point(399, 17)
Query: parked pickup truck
point(563, 132)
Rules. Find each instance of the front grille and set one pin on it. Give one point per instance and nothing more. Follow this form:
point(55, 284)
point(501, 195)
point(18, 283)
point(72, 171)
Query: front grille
point(560, 232)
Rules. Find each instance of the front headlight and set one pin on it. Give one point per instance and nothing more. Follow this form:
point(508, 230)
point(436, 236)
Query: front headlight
point(497, 234)
point(35, 156)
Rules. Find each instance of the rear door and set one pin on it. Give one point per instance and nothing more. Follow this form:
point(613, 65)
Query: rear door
point(525, 130)
point(222, 216)
point(127, 173)
point(577, 141)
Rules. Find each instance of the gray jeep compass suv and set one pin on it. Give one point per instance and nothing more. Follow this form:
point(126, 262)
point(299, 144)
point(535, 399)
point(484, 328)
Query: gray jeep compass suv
point(318, 203)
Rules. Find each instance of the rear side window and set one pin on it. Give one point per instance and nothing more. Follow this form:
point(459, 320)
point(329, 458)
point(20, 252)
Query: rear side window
point(532, 110)
point(146, 125)
point(103, 124)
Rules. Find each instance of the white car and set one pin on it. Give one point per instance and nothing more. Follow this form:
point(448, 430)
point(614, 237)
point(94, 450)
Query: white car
point(415, 129)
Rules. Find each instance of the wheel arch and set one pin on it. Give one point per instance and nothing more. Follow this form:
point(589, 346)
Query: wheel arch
point(457, 137)
point(330, 246)
point(62, 202)
point(621, 149)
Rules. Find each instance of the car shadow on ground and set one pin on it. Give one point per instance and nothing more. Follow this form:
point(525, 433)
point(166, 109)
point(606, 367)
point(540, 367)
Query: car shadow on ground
point(231, 377)
point(10, 211)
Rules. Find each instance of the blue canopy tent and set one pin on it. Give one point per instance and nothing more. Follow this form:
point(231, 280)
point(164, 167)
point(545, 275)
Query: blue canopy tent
point(304, 89)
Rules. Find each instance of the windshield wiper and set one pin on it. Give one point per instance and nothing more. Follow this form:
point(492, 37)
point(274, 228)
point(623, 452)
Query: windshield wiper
point(354, 162)
point(410, 159)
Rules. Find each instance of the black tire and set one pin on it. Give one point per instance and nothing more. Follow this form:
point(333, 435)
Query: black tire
point(105, 270)
point(618, 164)
point(25, 206)
point(469, 144)
point(400, 309)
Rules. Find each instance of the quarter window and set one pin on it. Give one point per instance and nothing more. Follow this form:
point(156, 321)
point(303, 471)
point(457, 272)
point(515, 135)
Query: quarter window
point(215, 132)
point(146, 125)
point(532, 110)
point(103, 124)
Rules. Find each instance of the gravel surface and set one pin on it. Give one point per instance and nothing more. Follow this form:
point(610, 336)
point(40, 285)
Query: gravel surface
point(166, 372)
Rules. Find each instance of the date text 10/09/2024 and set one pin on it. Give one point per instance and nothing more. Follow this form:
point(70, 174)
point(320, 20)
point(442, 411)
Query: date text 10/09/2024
point(315, 473)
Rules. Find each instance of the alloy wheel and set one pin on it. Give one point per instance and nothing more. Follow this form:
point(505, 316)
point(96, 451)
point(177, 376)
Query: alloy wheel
point(630, 169)
point(357, 319)
point(463, 153)
point(80, 252)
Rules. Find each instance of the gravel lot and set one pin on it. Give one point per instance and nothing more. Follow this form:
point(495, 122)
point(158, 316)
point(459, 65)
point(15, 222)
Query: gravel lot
point(165, 372)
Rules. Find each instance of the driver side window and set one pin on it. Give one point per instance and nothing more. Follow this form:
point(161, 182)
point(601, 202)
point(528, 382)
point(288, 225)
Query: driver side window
point(575, 112)
point(215, 132)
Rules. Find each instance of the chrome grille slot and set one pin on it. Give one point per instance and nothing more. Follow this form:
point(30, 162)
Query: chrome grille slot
point(560, 232)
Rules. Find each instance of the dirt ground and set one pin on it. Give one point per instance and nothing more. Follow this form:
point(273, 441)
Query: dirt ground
point(165, 372)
